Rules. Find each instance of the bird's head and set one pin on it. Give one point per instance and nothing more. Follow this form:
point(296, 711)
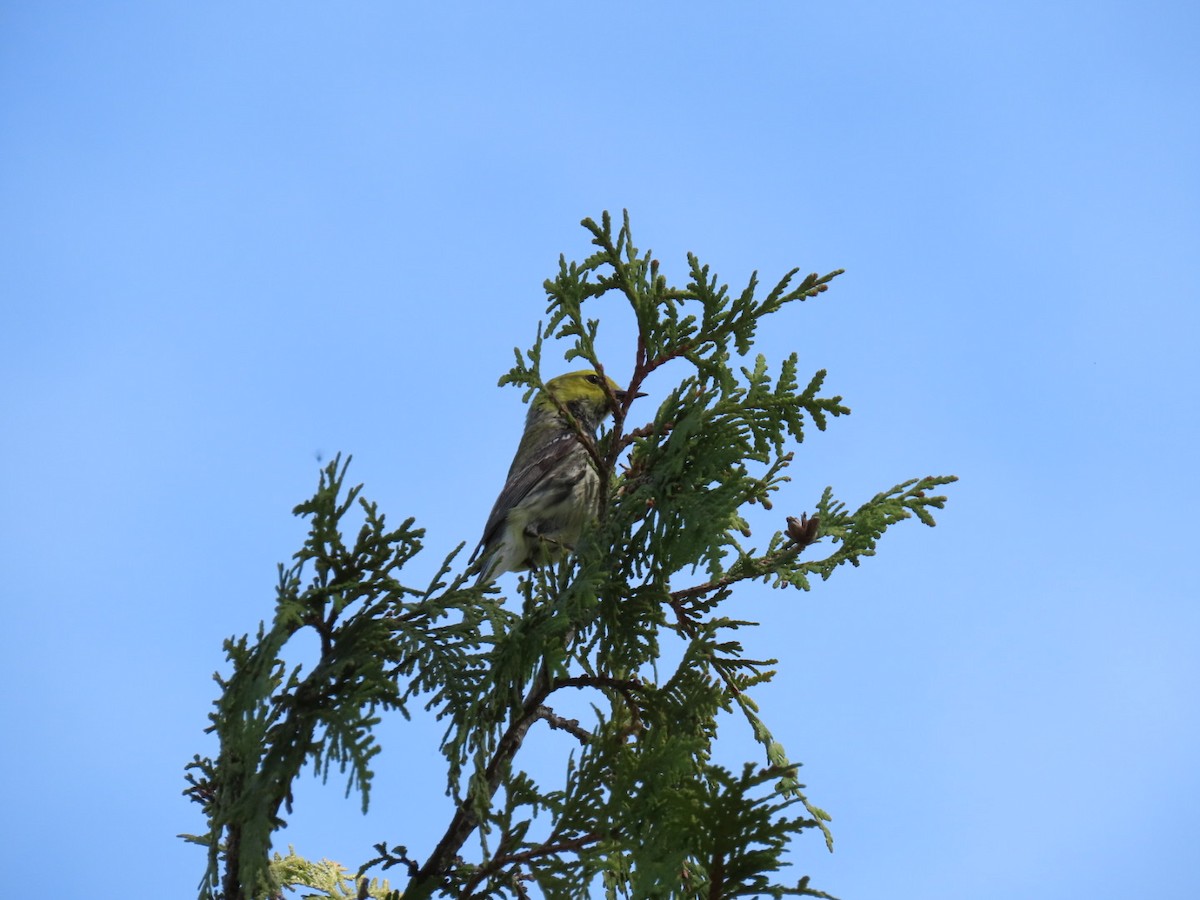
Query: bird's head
point(583, 394)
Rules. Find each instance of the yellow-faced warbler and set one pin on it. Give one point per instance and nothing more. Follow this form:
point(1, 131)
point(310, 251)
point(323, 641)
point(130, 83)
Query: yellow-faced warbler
point(552, 486)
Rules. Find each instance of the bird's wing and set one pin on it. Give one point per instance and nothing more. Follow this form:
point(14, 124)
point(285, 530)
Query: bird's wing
point(522, 481)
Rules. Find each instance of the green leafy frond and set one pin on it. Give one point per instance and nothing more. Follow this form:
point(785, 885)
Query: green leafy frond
point(858, 533)
point(330, 880)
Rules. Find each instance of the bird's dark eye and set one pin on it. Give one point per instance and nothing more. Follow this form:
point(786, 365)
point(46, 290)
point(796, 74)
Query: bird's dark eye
point(594, 379)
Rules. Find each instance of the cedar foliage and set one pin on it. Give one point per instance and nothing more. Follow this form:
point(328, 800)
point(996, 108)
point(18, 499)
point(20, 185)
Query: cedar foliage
point(641, 809)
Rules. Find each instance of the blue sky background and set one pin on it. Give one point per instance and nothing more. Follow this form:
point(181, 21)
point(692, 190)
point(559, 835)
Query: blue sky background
point(236, 236)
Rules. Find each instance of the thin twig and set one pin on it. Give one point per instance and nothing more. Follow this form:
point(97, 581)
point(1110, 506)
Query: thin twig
point(802, 531)
point(466, 819)
point(571, 726)
point(526, 856)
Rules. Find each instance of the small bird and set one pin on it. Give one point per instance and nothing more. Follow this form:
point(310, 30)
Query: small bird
point(552, 486)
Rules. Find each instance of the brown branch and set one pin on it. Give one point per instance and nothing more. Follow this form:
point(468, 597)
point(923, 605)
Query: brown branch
point(466, 819)
point(802, 531)
point(526, 856)
point(716, 876)
point(625, 687)
point(233, 862)
point(548, 849)
point(571, 726)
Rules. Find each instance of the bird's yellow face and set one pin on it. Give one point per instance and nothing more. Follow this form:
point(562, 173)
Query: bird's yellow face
point(583, 394)
point(580, 392)
point(585, 385)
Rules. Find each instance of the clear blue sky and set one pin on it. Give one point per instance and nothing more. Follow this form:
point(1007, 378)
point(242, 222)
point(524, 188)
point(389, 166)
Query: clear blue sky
point(234, 236)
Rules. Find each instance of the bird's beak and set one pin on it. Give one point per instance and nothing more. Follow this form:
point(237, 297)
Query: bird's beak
point(621, 395)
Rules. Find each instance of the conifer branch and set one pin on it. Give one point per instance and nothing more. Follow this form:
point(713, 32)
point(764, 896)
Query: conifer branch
point(571, 726)
point(515, 860)
point(641, 805)
point(466, 817)
point(803, 532)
